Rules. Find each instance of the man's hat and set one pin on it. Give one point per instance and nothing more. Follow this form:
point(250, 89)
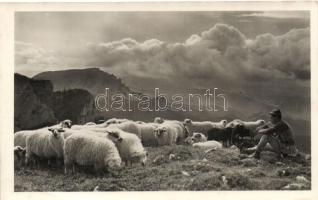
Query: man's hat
point(276, 113)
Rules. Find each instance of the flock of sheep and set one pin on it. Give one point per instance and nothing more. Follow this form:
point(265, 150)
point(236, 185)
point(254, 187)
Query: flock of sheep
point(116, 141)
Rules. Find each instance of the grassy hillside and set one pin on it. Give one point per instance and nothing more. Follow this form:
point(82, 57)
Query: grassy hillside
point(191, 169)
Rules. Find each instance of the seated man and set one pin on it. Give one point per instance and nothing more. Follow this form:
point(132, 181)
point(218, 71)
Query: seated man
point(277, 136)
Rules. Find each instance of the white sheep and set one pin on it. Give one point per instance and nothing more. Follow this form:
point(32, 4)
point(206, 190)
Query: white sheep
point(45, 143)
point(128, 126)
point(148, 137)
point(233, 123)
point(253, 125)
point(209, 144)
point(100, 132)
point(169, 132)
point(89, 150)
point(20, 136)
point(195, 138)
point(202, 127)
point(130, 148)
point(111, 121)
point(90, 124)
point(158, 120)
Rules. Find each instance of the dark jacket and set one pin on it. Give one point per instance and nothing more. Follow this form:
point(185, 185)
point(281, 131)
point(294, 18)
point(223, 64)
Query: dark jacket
point(282, 131)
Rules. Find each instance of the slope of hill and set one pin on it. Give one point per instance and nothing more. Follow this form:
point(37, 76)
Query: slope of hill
point(93, 80)
point(190, 169)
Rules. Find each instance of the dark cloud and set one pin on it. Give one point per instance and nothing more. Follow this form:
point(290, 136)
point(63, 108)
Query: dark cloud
point(220, 52)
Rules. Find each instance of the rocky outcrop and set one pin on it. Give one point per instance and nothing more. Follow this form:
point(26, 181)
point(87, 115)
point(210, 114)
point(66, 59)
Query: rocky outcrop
point(30, 103)
point(76, 105)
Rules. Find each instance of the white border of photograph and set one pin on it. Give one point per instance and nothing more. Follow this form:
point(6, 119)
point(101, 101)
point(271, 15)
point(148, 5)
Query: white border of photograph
point(7, 97)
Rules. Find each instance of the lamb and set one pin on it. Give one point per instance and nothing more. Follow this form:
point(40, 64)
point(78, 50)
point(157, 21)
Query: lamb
point(20, 136)
point(208, 144)
point(197, 137)
point(89, 150)
point(202, 127)
point(19, 155)
point(169, 132)
point(47, 143)
point(130, 148)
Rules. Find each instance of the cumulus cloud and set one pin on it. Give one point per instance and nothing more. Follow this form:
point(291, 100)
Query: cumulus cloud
point(222, 51)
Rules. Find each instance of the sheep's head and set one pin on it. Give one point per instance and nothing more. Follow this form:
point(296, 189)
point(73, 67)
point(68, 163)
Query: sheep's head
point(223, 122)
point(189, 140)
point(261, 122)
point(143, 159)
point(160, 131)
point(66, 123)
point(198, 137)
point(19, 151)
point(114, 136)
point(187, 121)
point(140, 157)
point(56, 132)
point(113, 164)
point(158, 120)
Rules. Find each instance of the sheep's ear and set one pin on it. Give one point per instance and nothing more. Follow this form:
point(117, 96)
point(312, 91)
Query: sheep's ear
point(51, 129)
point(61, 130)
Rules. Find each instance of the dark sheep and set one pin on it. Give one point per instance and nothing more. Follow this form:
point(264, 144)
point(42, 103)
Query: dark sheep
point(223, 135)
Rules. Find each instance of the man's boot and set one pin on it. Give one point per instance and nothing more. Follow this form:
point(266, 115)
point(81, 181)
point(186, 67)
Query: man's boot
point(248, 150)
point(256, 155)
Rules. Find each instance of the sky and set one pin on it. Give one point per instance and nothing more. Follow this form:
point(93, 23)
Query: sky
point(183, 49)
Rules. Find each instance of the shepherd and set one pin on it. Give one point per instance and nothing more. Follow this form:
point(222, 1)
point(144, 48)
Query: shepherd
point(277, 136)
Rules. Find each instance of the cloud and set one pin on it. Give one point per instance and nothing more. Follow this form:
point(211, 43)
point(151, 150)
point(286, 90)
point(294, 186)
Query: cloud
point(221, 52)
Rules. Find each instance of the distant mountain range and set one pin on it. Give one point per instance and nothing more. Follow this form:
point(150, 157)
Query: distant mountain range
point(241, 105)
point(93, 80)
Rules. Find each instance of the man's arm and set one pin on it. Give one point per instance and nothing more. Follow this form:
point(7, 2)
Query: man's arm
point(275, 129)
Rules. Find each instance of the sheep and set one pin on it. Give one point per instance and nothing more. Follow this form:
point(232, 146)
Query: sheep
point(90, 124)
point(147, 134)
point(158, 120)
point(197, 137)
point(130, 148)
point(46, 143)
point(128, 126)
point(252, 125)
point(20, 136)
point(90, 150)
point(169, 132)
point(241, 129)
point(111, 121)
point(99, 132)
point(233, 123)
point(202, 127)
point(19, 155)
point(223, 135)
point(208, 144)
